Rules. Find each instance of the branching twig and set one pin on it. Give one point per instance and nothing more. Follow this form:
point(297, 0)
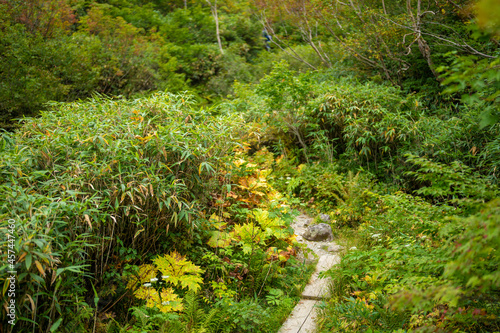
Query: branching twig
point(287, 47)
point(465, 47)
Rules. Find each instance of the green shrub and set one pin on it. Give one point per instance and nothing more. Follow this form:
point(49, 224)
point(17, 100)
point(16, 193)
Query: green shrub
point(455, 184)
point(27, 79)
point(95, 185)
point(419, 264)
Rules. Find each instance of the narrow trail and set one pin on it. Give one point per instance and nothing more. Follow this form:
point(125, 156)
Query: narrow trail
point(302, 318)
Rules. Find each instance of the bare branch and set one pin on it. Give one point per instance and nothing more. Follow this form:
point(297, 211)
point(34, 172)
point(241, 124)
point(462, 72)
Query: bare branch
point(287, 47)
point(309, 38)
point(465, 47)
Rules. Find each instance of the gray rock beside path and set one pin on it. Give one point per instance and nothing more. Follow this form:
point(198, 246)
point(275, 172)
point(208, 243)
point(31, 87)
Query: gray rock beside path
point(318, 232)
point(324, 217)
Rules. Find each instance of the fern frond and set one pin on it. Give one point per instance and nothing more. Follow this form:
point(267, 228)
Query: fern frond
point(75, 325)
point(143, 317)
point(212, 321)
point(192, 315)
point(115, 327)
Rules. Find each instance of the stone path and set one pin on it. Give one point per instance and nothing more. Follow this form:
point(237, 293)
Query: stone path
point(302, 318)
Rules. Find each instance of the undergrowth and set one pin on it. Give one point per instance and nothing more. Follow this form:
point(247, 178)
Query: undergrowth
point(149, 214)
point(145, 203)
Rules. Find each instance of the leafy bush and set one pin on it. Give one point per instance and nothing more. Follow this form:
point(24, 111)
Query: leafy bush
point(478, 79)
point(454, 184)
point(415, 261)
point(26, 66)
point(62, 50)
point(192, 319)
point(113, 177)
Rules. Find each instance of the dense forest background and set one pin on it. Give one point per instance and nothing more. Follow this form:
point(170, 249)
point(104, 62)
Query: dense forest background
point(154, 154)
point(68, 50)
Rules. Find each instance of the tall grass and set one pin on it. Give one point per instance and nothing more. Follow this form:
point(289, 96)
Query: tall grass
point(94, 184)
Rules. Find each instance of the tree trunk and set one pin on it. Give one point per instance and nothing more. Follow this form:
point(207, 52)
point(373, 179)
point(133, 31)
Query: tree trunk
point(213, 9)
point(296, 131)
point(423, 46)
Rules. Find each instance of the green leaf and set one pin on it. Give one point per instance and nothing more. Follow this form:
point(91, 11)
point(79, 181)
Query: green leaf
point(54, 326)
point(28, 261)
point(489, 117)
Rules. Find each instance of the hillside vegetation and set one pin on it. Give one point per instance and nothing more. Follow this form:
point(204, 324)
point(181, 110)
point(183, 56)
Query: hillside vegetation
point(156, 153)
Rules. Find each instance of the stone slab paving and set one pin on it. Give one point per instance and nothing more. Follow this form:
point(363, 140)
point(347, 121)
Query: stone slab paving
point(302, 318)
point(302, 313)
point(318, 288)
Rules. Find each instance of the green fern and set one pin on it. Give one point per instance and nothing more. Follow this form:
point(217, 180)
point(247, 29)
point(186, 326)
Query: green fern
point(115, 327)
point(212, 320)
point(195, 319)
point(350, 186)
point(192, 313)
point(141, 315)
point(76, 324)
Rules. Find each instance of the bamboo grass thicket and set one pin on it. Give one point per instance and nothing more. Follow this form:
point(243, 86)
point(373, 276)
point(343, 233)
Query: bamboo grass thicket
point(91, 181)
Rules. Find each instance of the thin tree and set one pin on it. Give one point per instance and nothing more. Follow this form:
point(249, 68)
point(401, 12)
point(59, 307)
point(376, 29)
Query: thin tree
point(213, 9)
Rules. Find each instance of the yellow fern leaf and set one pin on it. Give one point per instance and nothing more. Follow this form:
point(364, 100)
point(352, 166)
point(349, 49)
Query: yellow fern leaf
point(146, 273)
point(272, 226)
point(219, 239)
point(249, 233)
point(177, 268)
point(165, 301)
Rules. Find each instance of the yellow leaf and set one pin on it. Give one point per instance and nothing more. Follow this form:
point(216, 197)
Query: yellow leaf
point(179, 270)
point(214, 218)
point(165, 301)
point(54, 276)
point(249, 233)
point(146, 273)
point(22, 257)
point(32, 303)
point(219, 239)
point(138, 233)
point(87, 219)
point(40, 268)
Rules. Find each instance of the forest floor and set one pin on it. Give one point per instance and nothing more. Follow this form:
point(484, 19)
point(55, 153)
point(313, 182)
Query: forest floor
point(303, 317)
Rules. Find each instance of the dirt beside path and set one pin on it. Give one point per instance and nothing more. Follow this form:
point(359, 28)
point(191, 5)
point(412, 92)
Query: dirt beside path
point(302, 318)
